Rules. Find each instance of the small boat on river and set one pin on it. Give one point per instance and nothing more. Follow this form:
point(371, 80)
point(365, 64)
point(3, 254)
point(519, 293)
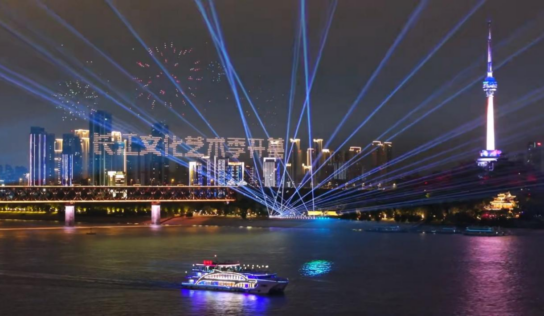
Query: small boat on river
point(233, 277)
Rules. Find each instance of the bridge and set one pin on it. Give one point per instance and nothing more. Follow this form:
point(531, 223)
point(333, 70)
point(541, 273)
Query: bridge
point(70, 195)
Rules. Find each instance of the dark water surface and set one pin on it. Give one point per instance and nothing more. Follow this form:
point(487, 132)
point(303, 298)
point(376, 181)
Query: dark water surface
point(332, 271)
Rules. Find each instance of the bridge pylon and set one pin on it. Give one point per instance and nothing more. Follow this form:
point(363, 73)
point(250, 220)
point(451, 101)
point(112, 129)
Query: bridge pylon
point(69, 214)
point(155, 213)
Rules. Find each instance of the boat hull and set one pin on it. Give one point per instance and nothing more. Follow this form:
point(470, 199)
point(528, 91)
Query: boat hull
point(263, 288)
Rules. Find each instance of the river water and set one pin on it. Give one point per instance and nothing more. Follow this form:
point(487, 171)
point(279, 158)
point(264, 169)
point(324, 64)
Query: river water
point(333, 270)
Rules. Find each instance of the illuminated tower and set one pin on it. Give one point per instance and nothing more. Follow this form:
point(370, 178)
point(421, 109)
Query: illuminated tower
point(38, 156)
point(83, 135)
point(318, 158)
point(296, 161)
point(100, 128)
point(490, 155)
point(270, 172)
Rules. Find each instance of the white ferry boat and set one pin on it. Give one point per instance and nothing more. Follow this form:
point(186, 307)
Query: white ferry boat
point(233, 277)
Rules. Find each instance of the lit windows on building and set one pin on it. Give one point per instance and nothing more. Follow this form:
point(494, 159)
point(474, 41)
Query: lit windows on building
point(58, 160)
point(221, 171)
point(270, 172)
point(235, 173)
point(195, 173)
point(37, 155)
point(83, 135)
point(100, 129)
point(296, 160)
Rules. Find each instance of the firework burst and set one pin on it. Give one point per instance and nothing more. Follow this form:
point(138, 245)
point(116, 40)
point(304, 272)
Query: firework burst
point(182, 65)
point(78, 100)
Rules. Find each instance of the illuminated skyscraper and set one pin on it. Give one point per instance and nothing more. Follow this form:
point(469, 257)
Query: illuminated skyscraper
point(71, 161)
point(50, 159)
point(355, 165)
point(327, 168)
point(83, 135)
point(250, 177)
point(489, 156)
point(58, 160)
point(100, 125)
point(38, 156)
point(296, 161)
point(235, 173)
point(308, 168)
point(118, 153)
point(220, 174)
point(382, 154)
point(208, 171)
point(318, 161)
point(388, 152)
point(339, 168)
point(159, 164)
point(135, 168)
point(287, 181)
point(310, 156)
point(195, 173)
point(270, 172)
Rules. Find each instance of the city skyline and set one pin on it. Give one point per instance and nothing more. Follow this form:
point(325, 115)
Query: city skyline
point(85, 158)
point(513, 35)
point(182, 85)
point(204, 154)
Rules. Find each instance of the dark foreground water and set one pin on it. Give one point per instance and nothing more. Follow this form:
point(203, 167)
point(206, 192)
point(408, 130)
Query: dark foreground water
point(333, 271)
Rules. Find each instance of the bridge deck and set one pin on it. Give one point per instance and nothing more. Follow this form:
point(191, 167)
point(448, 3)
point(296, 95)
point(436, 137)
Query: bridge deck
point(114, 194)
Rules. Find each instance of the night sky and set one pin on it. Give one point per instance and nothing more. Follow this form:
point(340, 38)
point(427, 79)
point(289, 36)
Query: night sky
point(259, 37)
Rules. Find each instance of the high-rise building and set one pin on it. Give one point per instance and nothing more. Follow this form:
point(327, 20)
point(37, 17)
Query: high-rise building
point(339, 167)
point(310, 156)
point(83, 135)
point(490, 155)
point(354, 164)
point(72, 160)
point(135, 163)
point(58, 160)
point(159, 164)
point(208, 171)
point(100, 127)
point(327, 168)
point(50, 159)
point(270, 172)
point(535, 155)
point(318, 158)
point(195, 173)
point(296, 161)
point(235, 173)
point(382, 154)
point(38, 156)
point(388, 152)
point(309, 167)
point(220, 174)
point(287, 180)
point(119, 153)
point(250, 176)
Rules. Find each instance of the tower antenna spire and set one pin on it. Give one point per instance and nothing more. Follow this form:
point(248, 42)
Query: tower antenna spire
point(489, 156)
point(489, 53)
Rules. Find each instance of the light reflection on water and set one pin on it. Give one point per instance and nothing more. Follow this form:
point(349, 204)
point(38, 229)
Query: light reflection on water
point(492, 281)
point(137, 271)
point(315, 268)
point(221, 303)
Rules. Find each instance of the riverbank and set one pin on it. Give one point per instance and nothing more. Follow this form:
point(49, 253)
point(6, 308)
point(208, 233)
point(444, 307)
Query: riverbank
point(220, 221)
point(43, 221)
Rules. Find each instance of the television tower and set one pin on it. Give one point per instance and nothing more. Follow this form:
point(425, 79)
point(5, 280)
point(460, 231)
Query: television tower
point(490, 155)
